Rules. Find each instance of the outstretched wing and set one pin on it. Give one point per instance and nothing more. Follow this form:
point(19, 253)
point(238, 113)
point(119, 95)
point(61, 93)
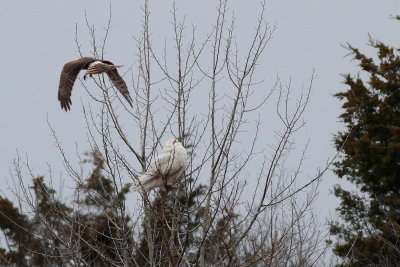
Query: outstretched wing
point(118, 82)
point(67, 79)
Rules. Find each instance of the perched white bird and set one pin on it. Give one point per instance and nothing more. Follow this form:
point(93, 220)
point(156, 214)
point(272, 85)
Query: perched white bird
point(167, 168)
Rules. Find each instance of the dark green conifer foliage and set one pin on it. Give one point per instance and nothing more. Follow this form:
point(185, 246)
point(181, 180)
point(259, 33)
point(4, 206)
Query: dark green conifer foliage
point(39, 239)
point(369, 231)
point(175, 207)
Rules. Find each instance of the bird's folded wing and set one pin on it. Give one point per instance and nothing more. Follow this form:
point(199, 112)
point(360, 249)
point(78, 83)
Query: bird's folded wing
point(165, 163)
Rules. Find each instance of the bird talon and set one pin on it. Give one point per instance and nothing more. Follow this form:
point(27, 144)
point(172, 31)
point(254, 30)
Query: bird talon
point(169, 187)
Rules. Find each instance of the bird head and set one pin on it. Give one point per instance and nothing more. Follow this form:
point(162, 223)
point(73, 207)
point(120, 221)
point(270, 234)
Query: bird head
point(170, 144)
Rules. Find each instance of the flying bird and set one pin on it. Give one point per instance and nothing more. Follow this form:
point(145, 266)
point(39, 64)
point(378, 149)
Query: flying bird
point(166, 169)
point(92, 66)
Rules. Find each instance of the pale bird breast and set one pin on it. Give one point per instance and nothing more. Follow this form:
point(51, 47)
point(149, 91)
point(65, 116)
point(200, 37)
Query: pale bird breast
point(95, 63)
point(96, 67)
point(94, 70)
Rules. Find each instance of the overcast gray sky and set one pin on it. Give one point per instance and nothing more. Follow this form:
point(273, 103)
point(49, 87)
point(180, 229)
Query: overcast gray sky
point(37, 38)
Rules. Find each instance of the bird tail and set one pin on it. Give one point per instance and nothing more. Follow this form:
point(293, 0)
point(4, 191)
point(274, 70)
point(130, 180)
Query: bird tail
point(147, 182)
point(141, 183)
point(137, 188)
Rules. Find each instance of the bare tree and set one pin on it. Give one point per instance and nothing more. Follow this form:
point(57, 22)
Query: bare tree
point(238, 202)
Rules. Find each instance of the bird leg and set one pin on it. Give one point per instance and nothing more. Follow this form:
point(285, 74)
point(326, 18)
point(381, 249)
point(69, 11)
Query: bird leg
point(168, 187)
point(84, 76)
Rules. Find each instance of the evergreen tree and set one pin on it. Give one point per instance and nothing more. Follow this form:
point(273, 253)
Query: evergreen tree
point(369, 232)
point(170, 208)
point(99, 232)
point(54, 230)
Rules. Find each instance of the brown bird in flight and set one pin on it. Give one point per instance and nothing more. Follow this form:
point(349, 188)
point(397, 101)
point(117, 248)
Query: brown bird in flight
point(92, 66)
